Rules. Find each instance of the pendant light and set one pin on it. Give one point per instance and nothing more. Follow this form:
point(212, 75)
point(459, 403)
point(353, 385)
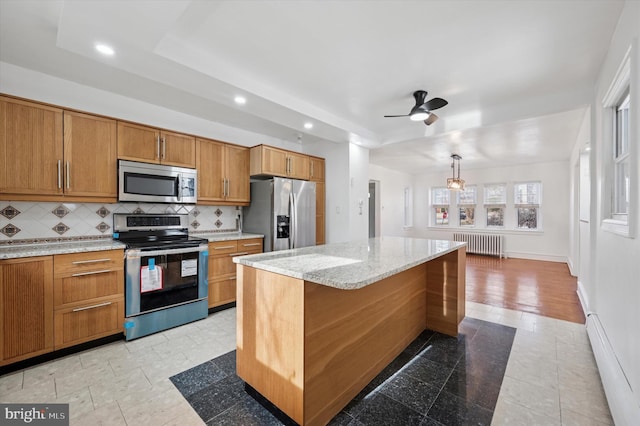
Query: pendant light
point(455, 183)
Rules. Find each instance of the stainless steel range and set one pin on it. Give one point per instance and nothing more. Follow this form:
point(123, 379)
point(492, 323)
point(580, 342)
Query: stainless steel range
point(165, 272)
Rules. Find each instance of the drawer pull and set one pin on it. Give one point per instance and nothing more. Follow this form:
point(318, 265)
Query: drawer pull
point(99, 305)
point(223, 248)
point(232, 278)
point(252, 244)
point(80, 274)
point(239, 254)
point(82, 262)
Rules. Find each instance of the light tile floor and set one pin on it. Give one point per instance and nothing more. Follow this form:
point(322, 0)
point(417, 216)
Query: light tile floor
point(551, 377)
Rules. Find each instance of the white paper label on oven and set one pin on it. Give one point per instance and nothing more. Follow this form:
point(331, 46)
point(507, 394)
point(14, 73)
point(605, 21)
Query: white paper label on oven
point(189, 267)
point(150, 278)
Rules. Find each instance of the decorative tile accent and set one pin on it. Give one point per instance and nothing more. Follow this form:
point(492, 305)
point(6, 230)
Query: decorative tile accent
point(9, 212)
point(60, 211)
point(218, 212)
point(138, 211)
point(102, 227)
point(102, 212)
point(10, 230)
point(195, 212)
point(170, 210)
point(60, 228)
point(195, 224)
point(218, 223)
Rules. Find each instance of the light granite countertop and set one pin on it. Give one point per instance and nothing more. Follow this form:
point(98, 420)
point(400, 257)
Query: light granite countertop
point(351, 265)
point(48, 249)
point(226, 236)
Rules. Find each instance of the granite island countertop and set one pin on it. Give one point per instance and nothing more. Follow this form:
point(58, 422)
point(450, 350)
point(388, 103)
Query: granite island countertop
point(53, 248)
point(351, 265)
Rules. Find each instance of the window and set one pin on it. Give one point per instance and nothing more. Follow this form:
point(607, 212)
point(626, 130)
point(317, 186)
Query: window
point(618, 215)
point(440, 203)
point(495, 199)
point(466, 206)
point(527, 201)
point(620, 207)
point(495, 217)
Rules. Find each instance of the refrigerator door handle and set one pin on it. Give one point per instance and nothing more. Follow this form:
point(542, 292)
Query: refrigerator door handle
point(293, 220)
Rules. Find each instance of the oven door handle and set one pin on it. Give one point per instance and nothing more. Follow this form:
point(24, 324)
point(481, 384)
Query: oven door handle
point(132, 253)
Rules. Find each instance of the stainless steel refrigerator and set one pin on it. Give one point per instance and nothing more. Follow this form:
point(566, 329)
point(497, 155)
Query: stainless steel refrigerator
point(284, 211)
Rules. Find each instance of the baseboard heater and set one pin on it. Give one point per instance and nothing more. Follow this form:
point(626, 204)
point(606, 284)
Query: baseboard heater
point(489, 244)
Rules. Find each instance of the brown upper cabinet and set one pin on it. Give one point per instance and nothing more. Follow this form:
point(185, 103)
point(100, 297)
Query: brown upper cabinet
point(317, 169)
point(270, 161)
point(151, 145)
point(223, 173)
point(48, 153)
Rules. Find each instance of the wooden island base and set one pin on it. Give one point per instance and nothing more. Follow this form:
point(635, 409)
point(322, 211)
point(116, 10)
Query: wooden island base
point(310, 348)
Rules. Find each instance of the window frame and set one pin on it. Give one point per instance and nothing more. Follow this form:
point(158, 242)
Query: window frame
point(528, 204)
point(440, 205)
point(624, 225)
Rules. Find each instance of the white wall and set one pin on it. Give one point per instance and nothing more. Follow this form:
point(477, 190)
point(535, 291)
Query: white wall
point(392, 184)
point(358, 192)
point(551, 244)
point(41, 87)
point(613, 293)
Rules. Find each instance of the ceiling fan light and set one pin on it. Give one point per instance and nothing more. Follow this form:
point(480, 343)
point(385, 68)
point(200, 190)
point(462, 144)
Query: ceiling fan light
point(419, 116)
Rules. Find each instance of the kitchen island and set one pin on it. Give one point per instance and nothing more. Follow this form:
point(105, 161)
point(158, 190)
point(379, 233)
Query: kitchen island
point(315, 325)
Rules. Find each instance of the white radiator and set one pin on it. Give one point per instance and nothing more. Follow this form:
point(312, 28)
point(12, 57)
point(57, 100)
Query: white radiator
point(490, 244)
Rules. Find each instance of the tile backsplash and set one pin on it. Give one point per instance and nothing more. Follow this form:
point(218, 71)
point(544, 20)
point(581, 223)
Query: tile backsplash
point(29, 222)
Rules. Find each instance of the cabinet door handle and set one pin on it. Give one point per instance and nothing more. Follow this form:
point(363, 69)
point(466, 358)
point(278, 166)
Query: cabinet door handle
point(232, 278)
point(228, 188)
point(158, 147)
point(68, 175)
point(81, 274)
point(99, 305)
point(164, 147)
point(222, 248)
point(239, 254)
point(252, 244)
point(59, 174)
point(82, 262)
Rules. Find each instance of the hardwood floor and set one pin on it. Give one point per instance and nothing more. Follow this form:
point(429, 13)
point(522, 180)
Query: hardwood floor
point(543, 288)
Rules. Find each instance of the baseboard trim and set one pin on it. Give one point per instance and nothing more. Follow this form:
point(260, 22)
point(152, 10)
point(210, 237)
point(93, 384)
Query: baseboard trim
point(622, 404)
point(570, 264)
point(582, 296)
point(536, 256)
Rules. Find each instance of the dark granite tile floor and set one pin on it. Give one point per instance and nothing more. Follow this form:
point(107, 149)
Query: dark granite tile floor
point(436, 380)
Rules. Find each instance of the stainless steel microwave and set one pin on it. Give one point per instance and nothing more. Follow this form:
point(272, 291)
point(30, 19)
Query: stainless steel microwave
point(156, 183)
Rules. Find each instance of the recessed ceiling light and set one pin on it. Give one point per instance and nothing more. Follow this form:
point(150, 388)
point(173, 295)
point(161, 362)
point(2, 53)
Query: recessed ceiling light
point(104, 49)
point(308, 125)
point(241, 100)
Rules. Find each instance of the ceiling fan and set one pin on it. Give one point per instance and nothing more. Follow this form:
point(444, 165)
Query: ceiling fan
point(422, 111)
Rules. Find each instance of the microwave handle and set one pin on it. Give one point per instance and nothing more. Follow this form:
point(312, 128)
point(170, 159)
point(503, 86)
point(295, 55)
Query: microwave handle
point(179, 187)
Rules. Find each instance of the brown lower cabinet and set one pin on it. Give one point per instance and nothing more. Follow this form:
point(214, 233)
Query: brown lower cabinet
point(26, 308)
point(222, 270)
point(88, 296)
point(53, 302)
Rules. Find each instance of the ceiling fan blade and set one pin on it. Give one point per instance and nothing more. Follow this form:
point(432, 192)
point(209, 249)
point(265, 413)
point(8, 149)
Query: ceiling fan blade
point(434, 103)
point(430, 119)
point(391, 116)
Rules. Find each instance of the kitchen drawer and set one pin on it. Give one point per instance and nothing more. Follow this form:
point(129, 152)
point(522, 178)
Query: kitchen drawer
point(89, 322)
point(223, 247)
point(84, 286)
point(75, 263)
point(253, 245)
point(222, 292)
point(221, 267)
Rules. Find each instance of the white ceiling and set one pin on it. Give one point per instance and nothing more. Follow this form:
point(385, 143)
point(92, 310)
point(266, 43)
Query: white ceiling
point(518, 74)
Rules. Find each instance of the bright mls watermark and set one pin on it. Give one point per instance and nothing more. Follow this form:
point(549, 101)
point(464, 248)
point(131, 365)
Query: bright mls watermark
point(34, 414)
